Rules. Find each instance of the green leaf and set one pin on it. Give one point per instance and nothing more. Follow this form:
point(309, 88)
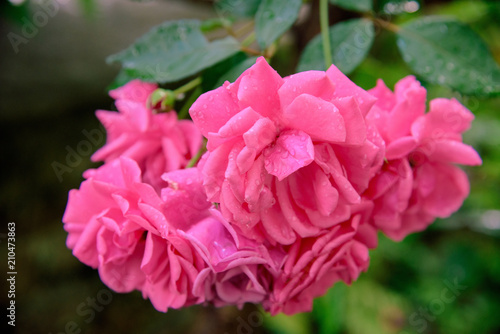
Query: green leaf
point(350, 42)
point(273, 18)
point(355, 5)
point(172, 51)
point(211, 75)
point(447, 52)
point(214, 24)
point(241, 8)
point(236, 71)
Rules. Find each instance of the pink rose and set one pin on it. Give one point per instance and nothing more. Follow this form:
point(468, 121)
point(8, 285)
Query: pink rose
point(116, 223)
point(419, 181)
point(314, 265)
point(287, 157)
point(172, 246)
point(99, 233)
point(231, 268)
point(158, 142)
point(240, 270)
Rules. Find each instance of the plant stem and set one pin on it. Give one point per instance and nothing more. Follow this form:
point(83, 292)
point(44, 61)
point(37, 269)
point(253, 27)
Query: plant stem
point(269, 52)
point(198, 155)
point(386, 24)
point(243, 30)
point(251, 51)
point(323, 20)
point(185, 108)
point(187, 87)
point(248, 40)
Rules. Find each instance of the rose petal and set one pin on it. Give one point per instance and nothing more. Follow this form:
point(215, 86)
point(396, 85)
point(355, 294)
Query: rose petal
point(293, 150)
point(345, 87)
point(318, 118)
point(400, 148)
point(452, 151)
point(258, 88)
point(315, 83)
point(222, 108)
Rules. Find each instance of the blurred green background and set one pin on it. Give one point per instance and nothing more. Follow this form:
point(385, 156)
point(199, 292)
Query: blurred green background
point(444, 280)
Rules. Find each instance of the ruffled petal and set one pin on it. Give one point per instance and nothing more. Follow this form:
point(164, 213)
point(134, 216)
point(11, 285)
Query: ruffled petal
point(452, 151)
point(258, 88)
point(293, 150)
point(222, 108)
point(400, 148)
point(345, 87)
point(305, 113)
point(446, 119)
point(315, 83)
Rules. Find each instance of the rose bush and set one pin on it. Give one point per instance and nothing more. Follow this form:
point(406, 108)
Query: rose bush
point(299, 175)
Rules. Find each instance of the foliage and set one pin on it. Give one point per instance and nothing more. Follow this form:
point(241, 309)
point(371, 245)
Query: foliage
point(445, 51)
point(350, 42)
point(402, 278)
point(440, 50)
point(172, 51)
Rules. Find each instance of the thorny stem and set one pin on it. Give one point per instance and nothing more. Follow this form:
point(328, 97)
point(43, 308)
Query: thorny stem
point(323, 20)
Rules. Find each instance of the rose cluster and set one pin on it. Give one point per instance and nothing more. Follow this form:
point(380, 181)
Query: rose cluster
point(299, 175)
